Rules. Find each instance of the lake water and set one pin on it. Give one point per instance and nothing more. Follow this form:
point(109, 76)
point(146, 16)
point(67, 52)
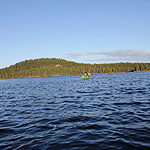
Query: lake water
point(107, 111)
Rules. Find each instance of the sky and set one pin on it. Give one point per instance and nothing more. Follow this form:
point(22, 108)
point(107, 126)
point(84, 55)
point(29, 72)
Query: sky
point(84, 31)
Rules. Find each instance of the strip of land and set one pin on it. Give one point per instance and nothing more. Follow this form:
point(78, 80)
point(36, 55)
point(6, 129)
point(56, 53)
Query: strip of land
point(59, 67)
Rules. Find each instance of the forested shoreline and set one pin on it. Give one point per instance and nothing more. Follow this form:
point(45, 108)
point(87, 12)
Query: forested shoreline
point(59, 67)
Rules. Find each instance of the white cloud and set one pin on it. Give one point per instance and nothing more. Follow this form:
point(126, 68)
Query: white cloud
point(74, 55)
point(120, 55)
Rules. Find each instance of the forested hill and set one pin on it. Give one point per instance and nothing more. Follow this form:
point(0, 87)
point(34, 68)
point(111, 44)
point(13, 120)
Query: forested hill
point(59, 67)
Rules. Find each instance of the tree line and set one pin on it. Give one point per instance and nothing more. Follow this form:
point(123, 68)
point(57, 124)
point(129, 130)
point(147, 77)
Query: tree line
point(59, 67)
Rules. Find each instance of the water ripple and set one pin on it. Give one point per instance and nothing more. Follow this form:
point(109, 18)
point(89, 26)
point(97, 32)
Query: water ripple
point(108, 111)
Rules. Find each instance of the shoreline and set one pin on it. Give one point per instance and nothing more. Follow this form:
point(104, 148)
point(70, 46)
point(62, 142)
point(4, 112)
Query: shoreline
point(69, 75)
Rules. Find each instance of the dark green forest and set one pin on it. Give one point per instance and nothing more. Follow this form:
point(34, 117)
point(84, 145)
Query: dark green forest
point(59, 67)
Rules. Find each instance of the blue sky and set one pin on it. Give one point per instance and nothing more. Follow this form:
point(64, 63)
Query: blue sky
point(87, 31)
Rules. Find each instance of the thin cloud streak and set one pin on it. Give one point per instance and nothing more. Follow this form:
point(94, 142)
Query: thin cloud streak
point(131, 55)
point(122, 53)
point(74, 55)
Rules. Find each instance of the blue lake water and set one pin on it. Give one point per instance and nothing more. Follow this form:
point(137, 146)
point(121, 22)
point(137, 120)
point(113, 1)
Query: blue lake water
point(107, 111)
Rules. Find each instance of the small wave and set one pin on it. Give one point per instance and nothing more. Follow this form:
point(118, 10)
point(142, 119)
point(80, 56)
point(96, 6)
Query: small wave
point(67, 96)
point(85, 92)
point(91, 127)
point(122, 103)
point(129, 103)
point(7, 131)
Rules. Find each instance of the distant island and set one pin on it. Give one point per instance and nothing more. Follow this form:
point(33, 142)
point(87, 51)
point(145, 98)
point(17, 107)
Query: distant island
point(59, 67)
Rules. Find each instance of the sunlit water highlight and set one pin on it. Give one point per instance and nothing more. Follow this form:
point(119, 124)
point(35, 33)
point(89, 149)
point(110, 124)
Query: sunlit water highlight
point(107, 111)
